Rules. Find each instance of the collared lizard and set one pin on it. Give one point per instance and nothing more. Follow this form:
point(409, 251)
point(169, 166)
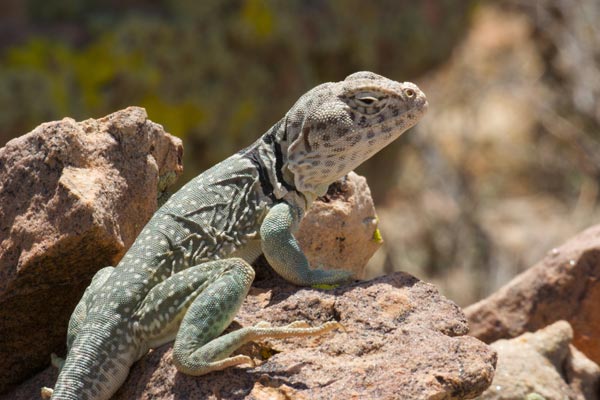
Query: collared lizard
point(186, 275)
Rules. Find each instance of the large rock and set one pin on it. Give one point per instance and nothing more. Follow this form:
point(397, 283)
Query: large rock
point(73, 197)
point(401, 340)
point(340, 229)
point(545, 364)
point(565, 285)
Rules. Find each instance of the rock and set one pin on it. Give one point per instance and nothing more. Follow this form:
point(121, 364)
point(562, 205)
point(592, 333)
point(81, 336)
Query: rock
point(340, 229)
point(584, 375)
point(564, 285)
point(401, 339)
point(543, 365)
point(73, 197)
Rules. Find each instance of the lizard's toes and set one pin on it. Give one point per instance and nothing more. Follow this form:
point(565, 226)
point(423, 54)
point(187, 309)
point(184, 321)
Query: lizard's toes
point(46, 392)
point(298, 324)
point(243, 359)
point(331, 325)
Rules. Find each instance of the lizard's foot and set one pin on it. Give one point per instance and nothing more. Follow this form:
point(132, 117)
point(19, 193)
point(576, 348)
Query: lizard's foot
point(204, 367)
point(296, 328)
point(230, 362)
point(298, 324)
point(46, 392)
point(203, 360)
point(329, 278)
point(295, 324)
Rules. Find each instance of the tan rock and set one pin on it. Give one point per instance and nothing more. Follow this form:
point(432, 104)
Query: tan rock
point(401, 340)
point(564, 285)
point(543, 364)
point(339, 230)
point(73, 197)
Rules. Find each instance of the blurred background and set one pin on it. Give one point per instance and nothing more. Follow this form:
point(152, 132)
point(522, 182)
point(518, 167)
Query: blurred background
point(505, 166)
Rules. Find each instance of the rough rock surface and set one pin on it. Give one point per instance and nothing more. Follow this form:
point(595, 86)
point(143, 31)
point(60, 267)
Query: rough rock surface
point(402, 340)
point(339, 229)
point(565, 285)
point(543, 363)
point(73, 197)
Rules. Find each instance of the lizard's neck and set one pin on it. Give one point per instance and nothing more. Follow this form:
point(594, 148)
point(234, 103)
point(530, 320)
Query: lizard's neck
point(269, 154)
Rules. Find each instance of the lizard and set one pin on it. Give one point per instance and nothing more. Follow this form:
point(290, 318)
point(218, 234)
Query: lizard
point(185, 276)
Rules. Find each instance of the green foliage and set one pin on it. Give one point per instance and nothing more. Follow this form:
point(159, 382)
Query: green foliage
point(257, 14)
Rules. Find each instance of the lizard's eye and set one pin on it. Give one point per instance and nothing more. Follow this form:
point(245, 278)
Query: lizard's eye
point(366, 100)
point(409, 93)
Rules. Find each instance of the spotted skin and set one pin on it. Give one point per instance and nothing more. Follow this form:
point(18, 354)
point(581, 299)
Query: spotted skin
point(187, 273)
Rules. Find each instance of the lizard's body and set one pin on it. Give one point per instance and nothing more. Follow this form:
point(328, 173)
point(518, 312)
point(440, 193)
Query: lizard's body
point(187, 273)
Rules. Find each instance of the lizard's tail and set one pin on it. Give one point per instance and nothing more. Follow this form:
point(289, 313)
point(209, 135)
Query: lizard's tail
point(97, 364)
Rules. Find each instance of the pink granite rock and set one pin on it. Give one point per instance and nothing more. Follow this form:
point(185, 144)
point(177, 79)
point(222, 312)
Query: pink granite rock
point(545, 364)
point(401, 340)
point(73, 197)
point(564, 285)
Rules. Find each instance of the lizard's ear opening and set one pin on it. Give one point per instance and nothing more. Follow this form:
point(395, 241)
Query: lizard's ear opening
point(300, 160)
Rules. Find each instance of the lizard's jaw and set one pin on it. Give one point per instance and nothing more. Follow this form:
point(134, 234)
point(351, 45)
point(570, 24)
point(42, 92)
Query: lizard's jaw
point(319, 168)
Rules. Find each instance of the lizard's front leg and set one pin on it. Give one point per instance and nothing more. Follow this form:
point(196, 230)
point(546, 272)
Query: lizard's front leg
point(284, 254)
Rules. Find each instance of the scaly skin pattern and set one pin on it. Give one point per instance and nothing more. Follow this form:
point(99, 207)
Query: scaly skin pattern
point(188, 272)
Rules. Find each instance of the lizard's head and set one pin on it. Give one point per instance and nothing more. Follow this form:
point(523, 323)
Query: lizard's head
point(336, 126)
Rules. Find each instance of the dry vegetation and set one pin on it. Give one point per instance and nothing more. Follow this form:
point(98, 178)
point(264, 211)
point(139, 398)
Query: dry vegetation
point(505, 166)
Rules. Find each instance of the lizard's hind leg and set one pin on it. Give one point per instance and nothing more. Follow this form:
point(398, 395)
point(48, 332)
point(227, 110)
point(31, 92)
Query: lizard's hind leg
point(163, 308)
point(198, 349)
